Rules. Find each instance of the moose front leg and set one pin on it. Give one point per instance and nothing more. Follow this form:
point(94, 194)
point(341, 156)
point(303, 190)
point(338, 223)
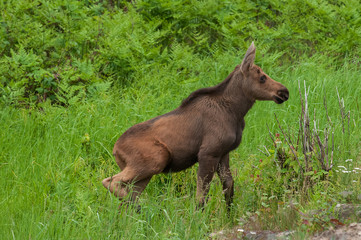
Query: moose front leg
point(225, 176)
point(207, 167)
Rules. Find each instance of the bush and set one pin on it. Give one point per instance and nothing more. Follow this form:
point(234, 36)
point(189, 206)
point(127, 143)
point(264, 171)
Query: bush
point(45, 43)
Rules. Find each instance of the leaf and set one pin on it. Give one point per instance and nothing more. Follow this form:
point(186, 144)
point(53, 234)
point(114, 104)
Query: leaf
point(39, 90)
point(306, 222)
point(310, 173)
point(264, 204)
point(336, 222)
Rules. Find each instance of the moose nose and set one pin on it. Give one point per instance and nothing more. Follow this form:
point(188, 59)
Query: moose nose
point(283, 93)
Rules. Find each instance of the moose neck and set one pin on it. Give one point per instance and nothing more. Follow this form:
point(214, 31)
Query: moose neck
point(236, 96)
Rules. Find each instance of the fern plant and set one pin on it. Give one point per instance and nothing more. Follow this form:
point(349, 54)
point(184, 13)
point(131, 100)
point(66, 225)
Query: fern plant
point(69, 94)
point(101, 40)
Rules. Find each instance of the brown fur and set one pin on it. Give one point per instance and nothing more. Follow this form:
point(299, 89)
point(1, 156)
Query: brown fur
point(204, 129)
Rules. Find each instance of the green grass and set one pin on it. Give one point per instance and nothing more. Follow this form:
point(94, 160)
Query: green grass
point(74, 75)
point(51, 173)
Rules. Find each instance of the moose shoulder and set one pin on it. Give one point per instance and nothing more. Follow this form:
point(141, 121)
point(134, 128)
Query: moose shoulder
point(204, 129)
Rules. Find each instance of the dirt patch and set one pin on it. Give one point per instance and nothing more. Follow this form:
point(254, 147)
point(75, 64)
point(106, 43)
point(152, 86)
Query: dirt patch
point(349, 232)
point(252, 235)
point(339, 231)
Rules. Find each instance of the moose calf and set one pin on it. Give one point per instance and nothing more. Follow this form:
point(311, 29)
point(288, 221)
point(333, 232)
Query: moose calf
point(204, 129)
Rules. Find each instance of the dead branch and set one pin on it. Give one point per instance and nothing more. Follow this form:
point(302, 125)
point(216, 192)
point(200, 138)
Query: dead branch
point(271, 136)
point(290, 145)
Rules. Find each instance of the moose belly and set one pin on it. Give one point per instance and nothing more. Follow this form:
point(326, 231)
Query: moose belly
point(176, 165)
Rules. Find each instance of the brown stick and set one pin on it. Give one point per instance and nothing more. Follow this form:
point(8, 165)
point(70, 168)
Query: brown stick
point(290, 145)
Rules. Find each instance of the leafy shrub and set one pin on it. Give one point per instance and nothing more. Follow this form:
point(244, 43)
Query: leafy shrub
point(115, 39)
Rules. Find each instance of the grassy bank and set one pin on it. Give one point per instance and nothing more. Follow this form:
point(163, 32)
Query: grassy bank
point(53, 159)
point(74, 75)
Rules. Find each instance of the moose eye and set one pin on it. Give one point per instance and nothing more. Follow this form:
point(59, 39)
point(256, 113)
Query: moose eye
point(263, 79)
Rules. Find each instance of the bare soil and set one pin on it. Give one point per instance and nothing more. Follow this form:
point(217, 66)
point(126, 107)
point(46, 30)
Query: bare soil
point(347, 232)
point(340, 231)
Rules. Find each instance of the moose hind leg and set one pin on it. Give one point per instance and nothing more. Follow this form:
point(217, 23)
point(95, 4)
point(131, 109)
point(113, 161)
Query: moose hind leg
point(134, 190)
point(137, 177)
point(138, 188)
point(225, 176)
point(118, 184)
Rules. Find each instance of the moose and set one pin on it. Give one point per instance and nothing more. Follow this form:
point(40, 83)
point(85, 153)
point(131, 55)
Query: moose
point(204, 128)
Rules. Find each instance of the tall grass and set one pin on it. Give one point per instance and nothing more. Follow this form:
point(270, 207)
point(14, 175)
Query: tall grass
point(52, 161)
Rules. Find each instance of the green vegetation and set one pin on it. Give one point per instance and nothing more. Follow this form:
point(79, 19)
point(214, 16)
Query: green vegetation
point(74, 75)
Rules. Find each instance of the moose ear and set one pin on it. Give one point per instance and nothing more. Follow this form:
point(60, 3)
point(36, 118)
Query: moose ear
point(248, 58)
